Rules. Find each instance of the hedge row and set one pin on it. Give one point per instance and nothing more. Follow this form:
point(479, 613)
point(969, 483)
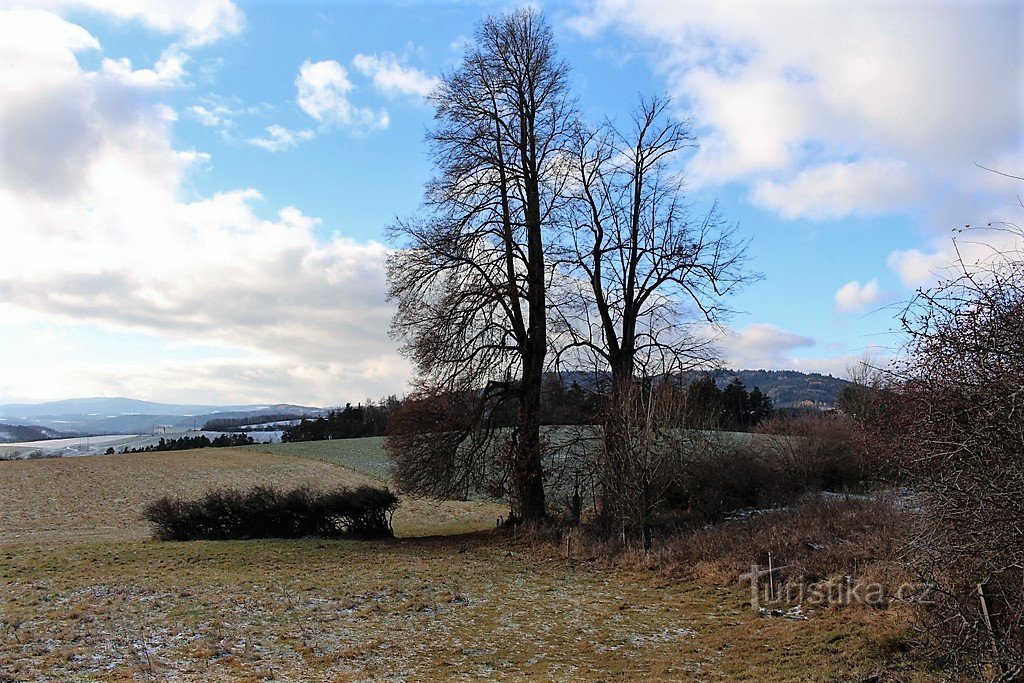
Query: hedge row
point(265, 512)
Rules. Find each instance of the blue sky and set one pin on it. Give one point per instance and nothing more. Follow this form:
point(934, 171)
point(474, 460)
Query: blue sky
point(193, 195)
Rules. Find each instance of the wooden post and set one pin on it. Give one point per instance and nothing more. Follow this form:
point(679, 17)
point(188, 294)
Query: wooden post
point(990, 627)
point(568, 545)
point(771, 578)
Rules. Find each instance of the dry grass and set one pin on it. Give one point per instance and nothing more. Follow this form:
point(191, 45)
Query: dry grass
point(483, 605)
point(409, 610)
point(100, 498)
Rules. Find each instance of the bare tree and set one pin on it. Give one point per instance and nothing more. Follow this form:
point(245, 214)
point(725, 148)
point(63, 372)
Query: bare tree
point(471, 282)
point(640, 270)
point(643, 267)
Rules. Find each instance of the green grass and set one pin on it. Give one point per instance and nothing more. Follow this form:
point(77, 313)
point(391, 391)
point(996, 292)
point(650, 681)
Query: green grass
point(365, 456)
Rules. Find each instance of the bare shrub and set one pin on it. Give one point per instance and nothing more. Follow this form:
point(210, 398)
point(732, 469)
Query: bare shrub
point(640, 460)
point(264, 512)
point(820, 452)
point(964, 439)
point(662, 479)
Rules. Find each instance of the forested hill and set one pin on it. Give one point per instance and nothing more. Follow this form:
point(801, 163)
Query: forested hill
point(789, 388)
point(16, 433)
point(786, 388)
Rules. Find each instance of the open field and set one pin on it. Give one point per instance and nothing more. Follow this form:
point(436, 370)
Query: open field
point(365, 456)
point(84, 595)
point(100, 498)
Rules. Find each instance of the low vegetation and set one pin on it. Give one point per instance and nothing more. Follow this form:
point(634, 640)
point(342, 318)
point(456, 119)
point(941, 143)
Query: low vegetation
point(266, 512)
point(192, 442)
point(87, 595)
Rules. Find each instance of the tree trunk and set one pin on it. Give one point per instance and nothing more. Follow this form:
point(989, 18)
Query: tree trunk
point(529, 467)
point(615, 469)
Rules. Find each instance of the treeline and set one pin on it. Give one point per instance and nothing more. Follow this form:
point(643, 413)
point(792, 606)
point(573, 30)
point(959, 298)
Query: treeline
point(731, 409)
point(189, 442)
point(705, 405)
point(708, 407)
point(235, 424)
point(350, 422)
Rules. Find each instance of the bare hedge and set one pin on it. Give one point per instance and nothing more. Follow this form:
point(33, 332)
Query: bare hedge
point(265, 512)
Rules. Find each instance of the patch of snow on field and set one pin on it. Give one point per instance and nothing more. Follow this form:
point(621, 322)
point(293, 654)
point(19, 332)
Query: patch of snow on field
point(98, 445)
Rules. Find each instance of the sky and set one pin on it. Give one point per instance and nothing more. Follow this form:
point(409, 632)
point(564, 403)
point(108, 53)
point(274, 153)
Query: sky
point(194, 193)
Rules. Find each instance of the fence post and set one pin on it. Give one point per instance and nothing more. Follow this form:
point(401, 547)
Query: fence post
point(990, 627)
point(771, 577)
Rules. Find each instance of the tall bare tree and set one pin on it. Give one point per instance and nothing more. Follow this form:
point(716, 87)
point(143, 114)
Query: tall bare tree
point(641, 271)
point(644, 267)
point(470, 283)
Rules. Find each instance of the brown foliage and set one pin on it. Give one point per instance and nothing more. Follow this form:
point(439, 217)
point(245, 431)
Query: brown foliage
point(964, 440)
point(445, 445)
point(821, 452)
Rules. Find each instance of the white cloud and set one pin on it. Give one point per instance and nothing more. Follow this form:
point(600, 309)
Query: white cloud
point(215, 111)
point(914, 267)
point(279, 138)
point(841, 365)
point(197, 22)
point(391, 77)
point(836, 190)
point(95, 231)
point(787, 95)
point(974, 247)
point(323, 93)
point(168, 71)
point(761, 345)
point(856, 297)
point(213, 117)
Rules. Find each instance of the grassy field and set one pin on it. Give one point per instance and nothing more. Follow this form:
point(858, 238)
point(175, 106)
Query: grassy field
point(365, 456)
point(85, 595)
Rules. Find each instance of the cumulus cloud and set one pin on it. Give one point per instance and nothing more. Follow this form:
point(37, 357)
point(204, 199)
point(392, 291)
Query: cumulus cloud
point(800, 99)
point(323, 93)
point(856, 297)
point(167, 72)
point(391, 77)
point(279, 138)
point(96, 231)
point(761, 345)
point(971, 248)
point(835, 190)
point(197, 22)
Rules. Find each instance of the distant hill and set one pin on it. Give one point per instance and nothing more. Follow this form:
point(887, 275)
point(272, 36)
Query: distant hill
point(19, 433)
point(113, 406)
point(789, 388)
point(786, 388)
point(132, 416)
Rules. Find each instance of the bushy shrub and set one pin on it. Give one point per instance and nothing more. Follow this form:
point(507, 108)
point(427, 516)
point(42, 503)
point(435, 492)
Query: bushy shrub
point(693, 478)
point(821, 452)
point(728, 478)
point(265, 512)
